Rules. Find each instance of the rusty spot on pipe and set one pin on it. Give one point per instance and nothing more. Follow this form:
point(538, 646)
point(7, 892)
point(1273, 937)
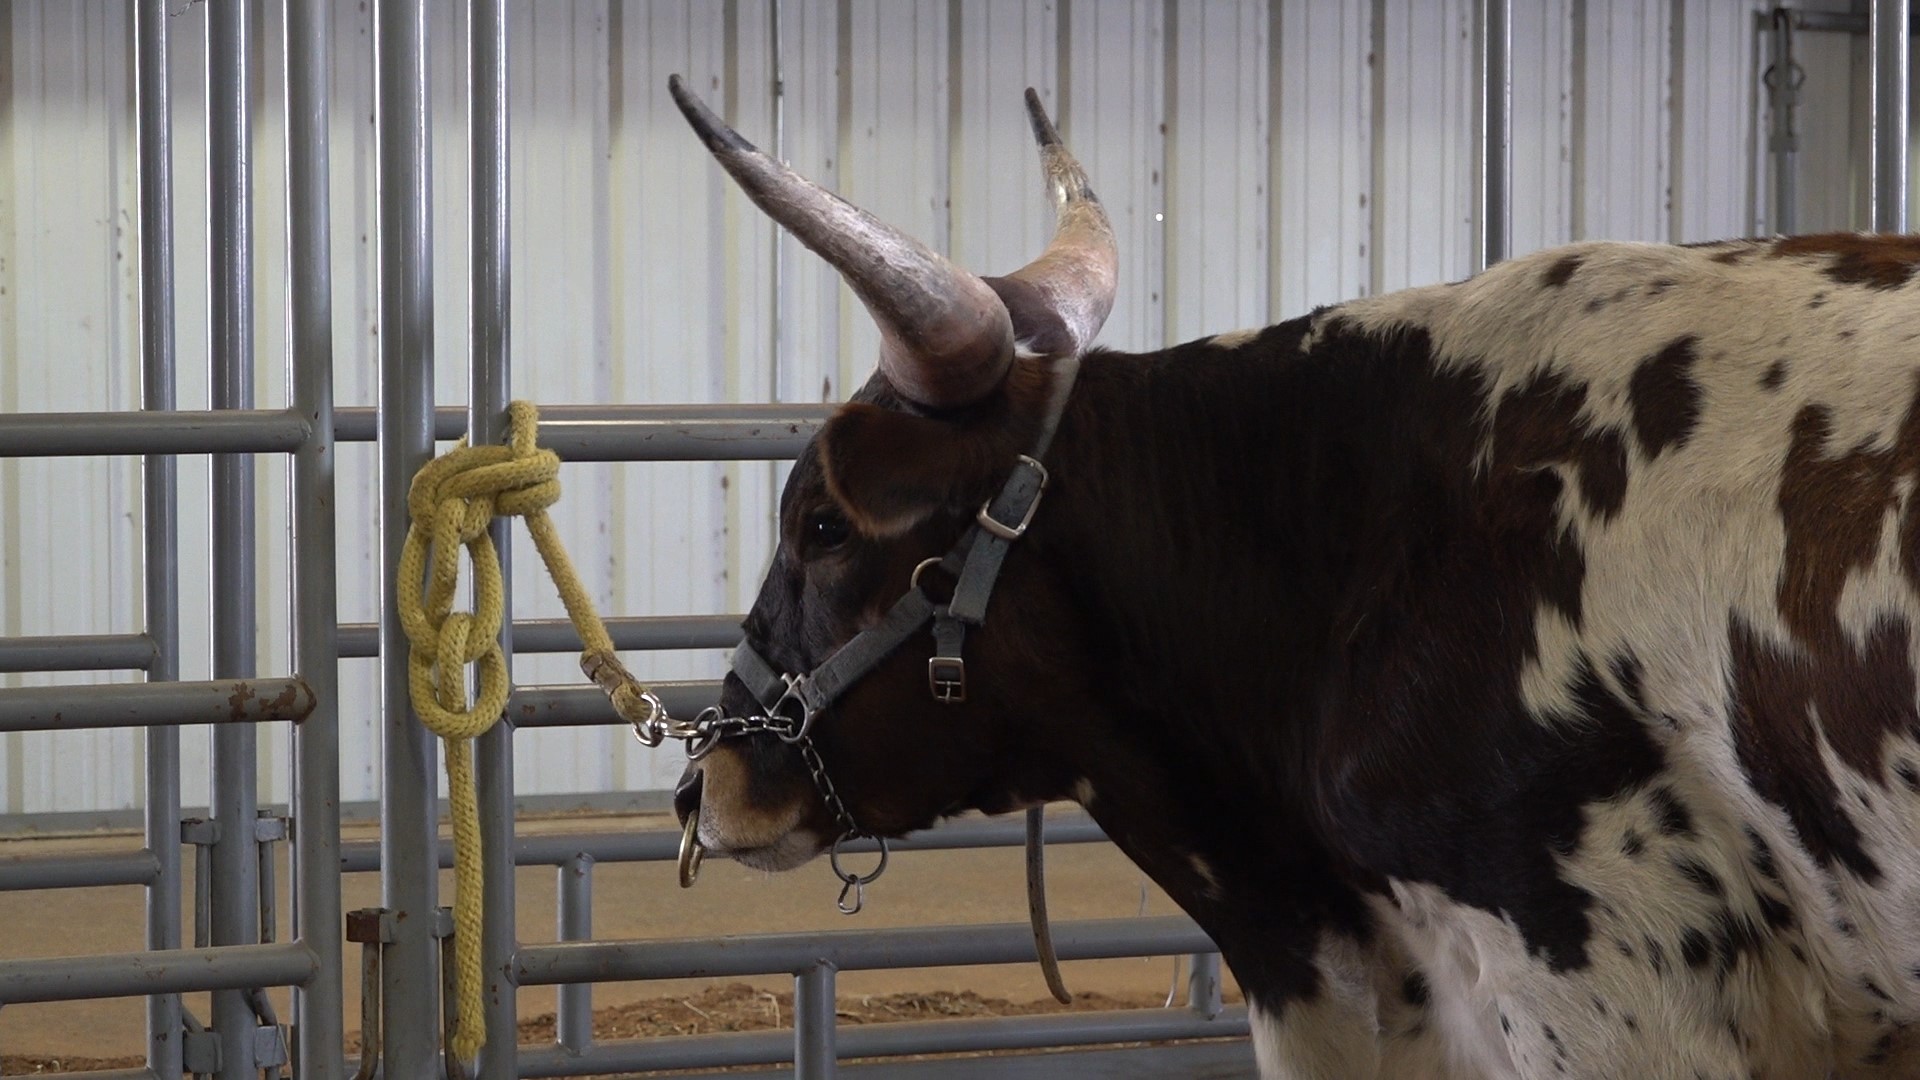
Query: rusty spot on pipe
point(237, 701)
point(294, 703)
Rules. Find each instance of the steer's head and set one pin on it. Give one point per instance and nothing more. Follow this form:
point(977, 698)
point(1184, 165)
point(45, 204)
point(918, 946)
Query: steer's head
point(971, 372)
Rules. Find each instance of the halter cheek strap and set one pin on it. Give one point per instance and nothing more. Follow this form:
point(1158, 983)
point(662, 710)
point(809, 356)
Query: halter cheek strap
point(976, 559)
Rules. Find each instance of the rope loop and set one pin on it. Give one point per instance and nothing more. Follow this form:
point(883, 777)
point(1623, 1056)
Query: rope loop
point(451, 504)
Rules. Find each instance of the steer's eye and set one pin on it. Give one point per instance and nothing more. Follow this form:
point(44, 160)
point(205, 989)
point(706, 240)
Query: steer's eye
point(827, 529)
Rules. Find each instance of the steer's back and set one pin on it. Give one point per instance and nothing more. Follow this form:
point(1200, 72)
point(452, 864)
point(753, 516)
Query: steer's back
point(1739, 447)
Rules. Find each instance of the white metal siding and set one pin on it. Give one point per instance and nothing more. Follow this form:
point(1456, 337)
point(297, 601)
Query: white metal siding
point(1257, 157)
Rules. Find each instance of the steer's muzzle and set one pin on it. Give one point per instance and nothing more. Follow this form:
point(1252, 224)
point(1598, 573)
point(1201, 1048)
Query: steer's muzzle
point(752, 794)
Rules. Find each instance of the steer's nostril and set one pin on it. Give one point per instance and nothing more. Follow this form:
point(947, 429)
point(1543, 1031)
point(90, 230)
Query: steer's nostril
point(686, 794)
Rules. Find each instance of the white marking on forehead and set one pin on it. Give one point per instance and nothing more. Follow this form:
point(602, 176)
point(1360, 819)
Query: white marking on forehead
point(1233, 339)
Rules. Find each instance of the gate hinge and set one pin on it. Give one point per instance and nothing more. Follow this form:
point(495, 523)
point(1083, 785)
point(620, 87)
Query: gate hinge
point(200, 1052)
point(370, 926)
point(270, 1046)
point(377, 926)
point(200, 832)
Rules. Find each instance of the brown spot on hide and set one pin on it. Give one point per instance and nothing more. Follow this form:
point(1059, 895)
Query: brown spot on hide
point(1664, 397)
point(1875, 261)
point(1856, 683)
point(1561, 271)
point(1833, 508)
point(1775, 376)
point(1773, 737)
point(1539, 424)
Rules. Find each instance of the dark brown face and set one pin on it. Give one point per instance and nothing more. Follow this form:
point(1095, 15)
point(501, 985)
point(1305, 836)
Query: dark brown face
point(878, 492)
point(883, 488)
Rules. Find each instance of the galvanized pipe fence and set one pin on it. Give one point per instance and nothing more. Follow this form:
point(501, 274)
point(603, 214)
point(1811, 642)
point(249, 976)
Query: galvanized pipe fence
point(402, 943)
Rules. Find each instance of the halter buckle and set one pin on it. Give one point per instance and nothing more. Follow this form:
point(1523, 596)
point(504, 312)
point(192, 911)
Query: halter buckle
point(1014, 532)
point(947, 678)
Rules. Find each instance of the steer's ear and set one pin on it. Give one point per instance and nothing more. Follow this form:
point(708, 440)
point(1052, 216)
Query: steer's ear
point(892, 470)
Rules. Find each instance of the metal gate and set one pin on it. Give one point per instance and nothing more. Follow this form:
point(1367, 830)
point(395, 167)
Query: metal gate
point(402, 951)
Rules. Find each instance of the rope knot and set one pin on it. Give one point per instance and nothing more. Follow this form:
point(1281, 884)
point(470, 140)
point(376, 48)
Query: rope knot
point(451, 503)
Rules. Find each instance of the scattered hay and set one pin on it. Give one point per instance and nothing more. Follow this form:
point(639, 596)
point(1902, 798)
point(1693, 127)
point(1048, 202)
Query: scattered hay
point(733, 1007)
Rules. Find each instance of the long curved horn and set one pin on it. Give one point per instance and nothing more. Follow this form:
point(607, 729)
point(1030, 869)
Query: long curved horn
point(1075, 279)
point(945, 336)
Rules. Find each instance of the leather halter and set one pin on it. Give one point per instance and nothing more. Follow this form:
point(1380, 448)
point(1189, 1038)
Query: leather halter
point(794, 701)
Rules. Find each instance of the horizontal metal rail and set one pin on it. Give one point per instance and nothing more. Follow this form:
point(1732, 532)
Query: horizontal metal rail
point(77, 652)
point(110, 1074)
point(224, 701)
point(226, 967)
point(773, 438)
point(886, 1040)
point(579, 706)
point(1834, 22)
point(98, 434)
point(21, 872)
point(851, 950)
point(642, 633)
point(663, 845)
point(134, 652)
point(641, 432)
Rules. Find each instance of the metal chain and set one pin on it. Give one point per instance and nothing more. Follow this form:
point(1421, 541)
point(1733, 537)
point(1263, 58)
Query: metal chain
point(705, 731)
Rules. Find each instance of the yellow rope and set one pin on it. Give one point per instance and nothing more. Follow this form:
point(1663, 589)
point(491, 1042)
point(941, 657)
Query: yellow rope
point(451, 502)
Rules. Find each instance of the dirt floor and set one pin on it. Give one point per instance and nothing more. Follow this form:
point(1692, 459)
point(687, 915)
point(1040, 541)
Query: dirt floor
point(642, 901)
point(730, 1007)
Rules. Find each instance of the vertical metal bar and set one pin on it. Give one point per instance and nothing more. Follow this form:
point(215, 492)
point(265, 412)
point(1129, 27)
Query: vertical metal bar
point(776, 330)
point(573, 1012)
point(488, 387)
point(318, 1027)
point(1203, 985)
point(1495, 76)
point(409, 885)
point(1783, 143)
point(813, 1056)
point(161, 545)
point(202, 895)
point(1892, 67)
point(236, 869)
point(269, 918)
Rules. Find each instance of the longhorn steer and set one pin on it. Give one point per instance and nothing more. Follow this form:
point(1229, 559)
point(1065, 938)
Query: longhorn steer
point(1514, 677)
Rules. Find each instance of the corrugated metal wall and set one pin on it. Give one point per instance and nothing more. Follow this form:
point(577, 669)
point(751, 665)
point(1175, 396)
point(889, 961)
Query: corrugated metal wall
point(1257, 157)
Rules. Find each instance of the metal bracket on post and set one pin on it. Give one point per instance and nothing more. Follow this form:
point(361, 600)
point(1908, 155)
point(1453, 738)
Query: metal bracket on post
point(270, 1046)
point(200, 1053)
point(268, 829)
point(201, 834)
point(194, 1033)
point(371, 929)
